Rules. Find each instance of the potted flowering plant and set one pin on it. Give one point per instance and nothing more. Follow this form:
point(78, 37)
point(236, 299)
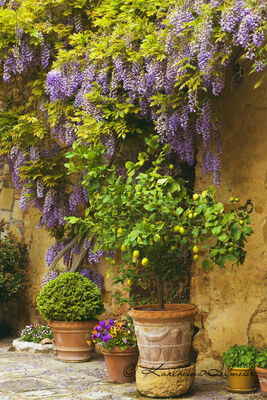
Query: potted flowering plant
point(240, 361)
point(117, 341)
point(70, 303)
point(36, 333)
point(261, 370)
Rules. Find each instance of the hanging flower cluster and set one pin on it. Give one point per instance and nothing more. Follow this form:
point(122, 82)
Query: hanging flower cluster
point(167, 74)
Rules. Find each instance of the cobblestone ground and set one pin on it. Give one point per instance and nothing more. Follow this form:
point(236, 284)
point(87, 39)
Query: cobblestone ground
point(25, 376)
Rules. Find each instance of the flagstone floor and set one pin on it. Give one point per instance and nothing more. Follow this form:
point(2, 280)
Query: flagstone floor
point(27, 376)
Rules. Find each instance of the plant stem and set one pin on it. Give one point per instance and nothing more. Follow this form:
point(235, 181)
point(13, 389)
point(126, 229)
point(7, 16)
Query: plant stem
point(160, 293)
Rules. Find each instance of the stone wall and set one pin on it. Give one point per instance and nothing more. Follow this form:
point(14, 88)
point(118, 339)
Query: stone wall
point(233, 301)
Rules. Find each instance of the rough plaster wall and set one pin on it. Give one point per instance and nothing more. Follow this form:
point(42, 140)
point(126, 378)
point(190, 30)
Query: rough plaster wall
point(233, 302)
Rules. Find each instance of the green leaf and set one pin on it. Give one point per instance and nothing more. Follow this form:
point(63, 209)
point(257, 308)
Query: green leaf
point(129, 165)
point(206, 265)
point(223, 237)
point(216, 230)
point(162, 181)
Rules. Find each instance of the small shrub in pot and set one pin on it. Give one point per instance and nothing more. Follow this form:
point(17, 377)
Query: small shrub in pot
point(76, 301)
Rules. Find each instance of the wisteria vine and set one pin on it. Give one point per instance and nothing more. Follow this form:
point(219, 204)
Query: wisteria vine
point(94, 81)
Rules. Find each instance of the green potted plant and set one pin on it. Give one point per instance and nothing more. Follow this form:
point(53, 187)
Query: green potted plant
point(153, 221)
point(261, 370)
point(240, 361)
point(36, 333)
point(13, 261)
point(117, 342)
point(13, 277)
point(70, 303)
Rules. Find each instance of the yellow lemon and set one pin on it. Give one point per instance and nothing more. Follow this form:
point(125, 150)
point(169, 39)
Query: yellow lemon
point(195, 249)
point(173, 248)
point(123, 247)
point(196, 257)
point(129, 281)
point(195, 214)
point(181, 231)
point(136, 253)
point(112, 262)
point(232, 199)
point(195, 196)
point(190, 215)
point(171, 166)
point(176, 229)
point(241, 222)
point(119, 231)
point(144, 262)
point(237, 199)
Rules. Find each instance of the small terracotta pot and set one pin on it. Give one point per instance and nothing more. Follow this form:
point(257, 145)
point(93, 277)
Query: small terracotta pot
point(164, 337)
point(262, 375)
point(121, 364)
point(72, 339)
point(241, 380)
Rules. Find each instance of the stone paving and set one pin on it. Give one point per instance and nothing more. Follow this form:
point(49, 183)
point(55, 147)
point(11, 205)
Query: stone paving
point(27, 376)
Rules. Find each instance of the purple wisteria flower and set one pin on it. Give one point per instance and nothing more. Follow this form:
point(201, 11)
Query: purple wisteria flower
point(93, 276)
point(49, 276)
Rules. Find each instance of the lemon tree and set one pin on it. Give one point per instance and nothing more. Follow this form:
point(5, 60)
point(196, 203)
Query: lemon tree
point(153, 220)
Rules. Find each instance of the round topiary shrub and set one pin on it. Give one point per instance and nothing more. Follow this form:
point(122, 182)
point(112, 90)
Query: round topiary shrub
point(70, 297)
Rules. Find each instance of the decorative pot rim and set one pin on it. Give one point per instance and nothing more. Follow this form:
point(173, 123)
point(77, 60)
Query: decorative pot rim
point(117, 349)
point(239, 368)
point(68, 323)
point(171, 312)
point(261, 370)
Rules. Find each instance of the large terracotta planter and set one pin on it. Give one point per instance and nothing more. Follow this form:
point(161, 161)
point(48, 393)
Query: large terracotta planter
point(241, 380)
point(262, 375)
point(121, 364)
point(71, 339)
point(164, 338)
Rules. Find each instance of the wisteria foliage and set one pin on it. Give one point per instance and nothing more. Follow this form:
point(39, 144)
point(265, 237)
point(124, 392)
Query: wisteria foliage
point(109, 83)
point(167, 74)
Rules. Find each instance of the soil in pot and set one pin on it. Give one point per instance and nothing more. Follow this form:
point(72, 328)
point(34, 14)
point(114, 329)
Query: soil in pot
point(121, 364)
point(71, 339)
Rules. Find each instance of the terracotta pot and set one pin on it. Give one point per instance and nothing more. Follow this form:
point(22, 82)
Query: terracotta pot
point(164, 338)
point(71, 339)
point(121, 364)
point(262, 375)
point(241, 380)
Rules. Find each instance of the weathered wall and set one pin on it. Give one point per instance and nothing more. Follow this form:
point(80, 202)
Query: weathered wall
point(233, 302)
